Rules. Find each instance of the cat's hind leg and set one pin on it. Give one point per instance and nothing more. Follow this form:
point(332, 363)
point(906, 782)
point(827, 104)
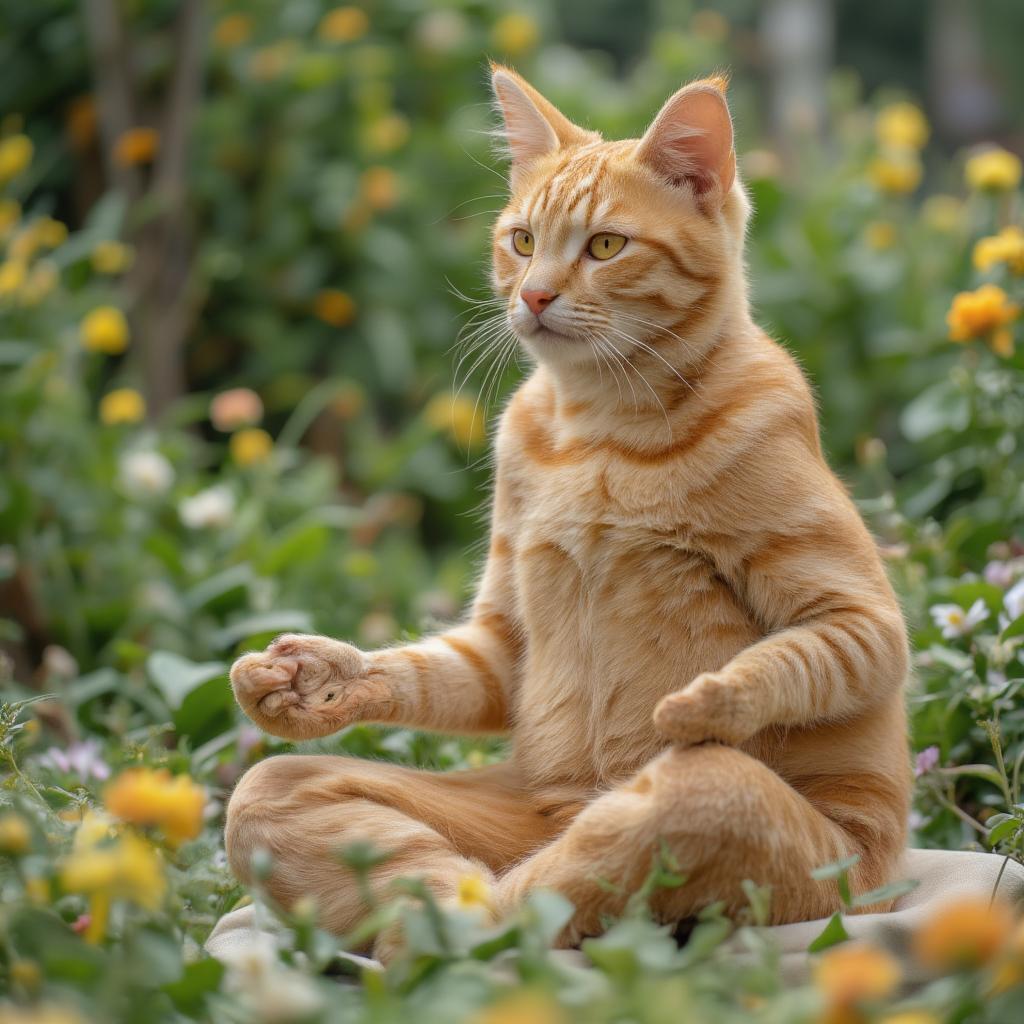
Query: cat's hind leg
point(304, 810)
point(724, 817)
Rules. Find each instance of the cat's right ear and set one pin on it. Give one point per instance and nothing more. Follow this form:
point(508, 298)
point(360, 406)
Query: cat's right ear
point(534, 127)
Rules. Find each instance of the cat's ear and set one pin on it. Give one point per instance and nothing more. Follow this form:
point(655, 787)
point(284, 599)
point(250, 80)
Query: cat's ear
point(533, 125)
point(691, 139)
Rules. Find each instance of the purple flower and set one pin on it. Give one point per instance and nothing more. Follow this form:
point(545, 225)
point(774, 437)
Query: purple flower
point(82, 759)
point(999, 574)
point(926, 761)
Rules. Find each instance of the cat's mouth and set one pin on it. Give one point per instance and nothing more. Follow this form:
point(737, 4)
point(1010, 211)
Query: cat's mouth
point(541, 332)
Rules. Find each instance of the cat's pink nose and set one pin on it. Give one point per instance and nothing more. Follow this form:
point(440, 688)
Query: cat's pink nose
point(538, 299)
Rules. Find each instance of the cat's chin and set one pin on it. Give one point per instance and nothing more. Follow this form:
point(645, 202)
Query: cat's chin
point(551, 346)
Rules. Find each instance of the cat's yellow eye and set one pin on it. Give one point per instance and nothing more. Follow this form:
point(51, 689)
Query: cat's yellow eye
point(605, 246)
point(522, 242)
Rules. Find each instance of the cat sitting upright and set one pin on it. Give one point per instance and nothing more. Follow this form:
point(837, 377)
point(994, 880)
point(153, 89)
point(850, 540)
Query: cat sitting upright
point(683, 623)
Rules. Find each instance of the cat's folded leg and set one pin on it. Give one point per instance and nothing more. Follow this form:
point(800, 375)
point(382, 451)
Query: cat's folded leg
point(723, 817)
point(304, 810)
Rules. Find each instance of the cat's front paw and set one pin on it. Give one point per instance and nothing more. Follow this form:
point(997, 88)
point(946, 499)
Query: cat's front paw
point(325, 683)
point(712, 708)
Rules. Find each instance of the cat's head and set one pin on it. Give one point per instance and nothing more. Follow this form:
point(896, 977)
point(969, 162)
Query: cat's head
point(617, 247)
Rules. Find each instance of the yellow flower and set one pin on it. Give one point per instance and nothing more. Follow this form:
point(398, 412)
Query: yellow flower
point(983, 313)
point(122, 405)
point(855, 972)
point(1006, 247)
point(136, 146)
point(943, 213)
point(105, 330)
point(12, 277)
point(343, 25)
point(993, 170)
point(334, 307)
point(387, 133)
point(966, 932)
point(15, 835)
point(462, 419)
point(232, 30)
point(896, 173)
point(911, 1017)
point(26, 975)
point(15, 155)
point(901, 126)
point(522, 1008)
point(41, 281)
point(515, 34)
point(251, 446)
point(10, 214)
point(125, 868)
point(880, 234)
point(50, 232)
point(379, 187)
point(38, 890)
point(270, 62)
point(474, 891)
point(143, 796)
point(111, 257)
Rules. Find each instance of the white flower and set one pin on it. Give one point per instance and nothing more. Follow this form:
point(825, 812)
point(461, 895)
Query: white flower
point(1013, 602)
point(999, 574)
point(210, 508)
point(271, 992)
point(956, 622)
point(145, 474)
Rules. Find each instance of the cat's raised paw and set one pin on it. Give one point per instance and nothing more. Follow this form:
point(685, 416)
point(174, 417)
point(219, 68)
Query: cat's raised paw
point(710, 709)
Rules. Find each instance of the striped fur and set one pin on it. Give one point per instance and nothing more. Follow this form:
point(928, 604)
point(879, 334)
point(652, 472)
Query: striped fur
point(682, 622)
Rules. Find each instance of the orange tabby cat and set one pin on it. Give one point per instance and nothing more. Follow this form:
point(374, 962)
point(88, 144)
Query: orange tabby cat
point(682, 622)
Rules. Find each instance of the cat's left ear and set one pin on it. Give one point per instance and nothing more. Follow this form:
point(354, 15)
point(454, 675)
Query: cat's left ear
point(691, 139)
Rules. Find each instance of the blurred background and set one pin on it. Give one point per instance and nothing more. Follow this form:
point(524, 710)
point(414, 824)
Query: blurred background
point(239, 241)
point(242, 238)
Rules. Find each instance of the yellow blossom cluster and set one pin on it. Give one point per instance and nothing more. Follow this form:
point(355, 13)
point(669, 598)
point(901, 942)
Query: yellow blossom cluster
point(985, 313)
point(343, 25)
point(902, 131)
point(23, 281)
point(104, 330)
point(107, 865)
point(172, 803)
point(1006, 247)
point(993, 170)
point(122, 405)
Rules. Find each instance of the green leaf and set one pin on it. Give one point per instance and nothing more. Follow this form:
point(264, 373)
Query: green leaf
point(220, 589)
point(265, 624)
point(176, 677)
point(832, 934)
point(1003, 830)
point(939, 408)
point(965, 594)
point(197, 980)
point(1015, 628)
point(884, 893)
point(300, 543)
point(836, 869)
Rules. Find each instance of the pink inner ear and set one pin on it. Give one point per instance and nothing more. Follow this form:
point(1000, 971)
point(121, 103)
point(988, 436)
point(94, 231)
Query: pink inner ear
point(691, 140)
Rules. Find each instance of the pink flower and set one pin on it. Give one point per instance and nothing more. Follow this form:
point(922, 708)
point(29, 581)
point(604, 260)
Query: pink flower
point(927, 760)
point(239, 407)
point(81, 759)
point(999, 574)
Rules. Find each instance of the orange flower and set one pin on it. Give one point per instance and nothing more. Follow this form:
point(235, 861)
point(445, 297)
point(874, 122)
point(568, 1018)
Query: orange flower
point(238, 407)
point(232, 30)
point(984, 313)
point(967, 932)
point(334, 307)
point(136, 146)
point(1006, 247)
point(173, 803)
point(855, 972)
point(343, 25)
point(379, 187)
point(81, 121)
